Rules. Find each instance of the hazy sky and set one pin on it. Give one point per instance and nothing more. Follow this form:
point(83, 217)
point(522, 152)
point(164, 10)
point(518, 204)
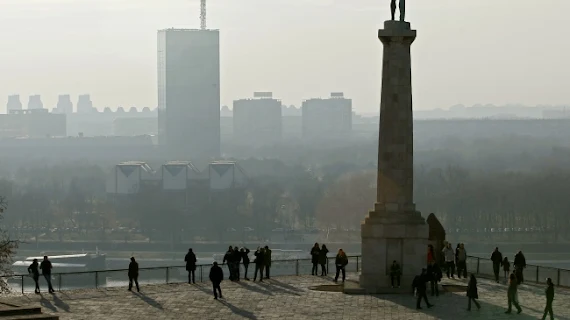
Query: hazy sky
point(467, 51)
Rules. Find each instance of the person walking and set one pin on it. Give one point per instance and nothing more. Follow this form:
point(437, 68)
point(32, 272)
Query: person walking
point(472, 294)
point(267, 261)
point(395, 273)
point(228, 257)
point(519, 264)
point(497, 259)
point(434, 276)
point(419, 285)
point(449, 256)
point(323, 259)
point(46, 267)
point(512, 294)
point(245, 259)
point(133, 274)
point(549, 299)
point(315, 251)
point(506, 268)
point(34, 271)
point(216, 276)
point(259, 260)
point(190, 260)
point(341, 261)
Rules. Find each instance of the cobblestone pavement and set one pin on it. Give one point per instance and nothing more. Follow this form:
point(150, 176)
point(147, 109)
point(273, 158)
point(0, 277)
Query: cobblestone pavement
point(283, 297)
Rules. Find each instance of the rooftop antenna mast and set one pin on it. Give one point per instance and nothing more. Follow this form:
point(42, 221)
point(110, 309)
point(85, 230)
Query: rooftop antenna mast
point(203, 14)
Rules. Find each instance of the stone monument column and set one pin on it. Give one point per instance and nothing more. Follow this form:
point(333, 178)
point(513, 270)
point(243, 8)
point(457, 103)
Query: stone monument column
point(394, 230)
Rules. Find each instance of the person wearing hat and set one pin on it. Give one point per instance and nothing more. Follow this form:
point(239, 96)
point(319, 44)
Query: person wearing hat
point(549, 299)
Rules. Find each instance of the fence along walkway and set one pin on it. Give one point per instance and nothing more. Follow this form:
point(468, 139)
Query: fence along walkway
point(178, 274)
point(161, 275)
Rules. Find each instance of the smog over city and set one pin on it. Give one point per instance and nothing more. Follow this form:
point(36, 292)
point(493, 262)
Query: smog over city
point(145, 128)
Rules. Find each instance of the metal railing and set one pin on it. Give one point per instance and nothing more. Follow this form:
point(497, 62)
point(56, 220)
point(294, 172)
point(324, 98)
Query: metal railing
point(532, 273)
point(162, 275)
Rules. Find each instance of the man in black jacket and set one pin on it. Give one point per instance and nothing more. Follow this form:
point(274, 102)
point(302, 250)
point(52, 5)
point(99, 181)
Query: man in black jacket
point(46, 271)
point(420, 286)
point(133, 274)
point(235, 263)
point(216, 276)
point(229, 258)
point(520, 264)
point(497, 259)
point(190, 260)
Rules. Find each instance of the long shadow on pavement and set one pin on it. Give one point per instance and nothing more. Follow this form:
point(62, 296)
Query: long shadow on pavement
point(285, 286)
point(47, 304)
point(235, 310)
point(269, 287)
point(60, 304)
point(254, 288)
point(150, 301)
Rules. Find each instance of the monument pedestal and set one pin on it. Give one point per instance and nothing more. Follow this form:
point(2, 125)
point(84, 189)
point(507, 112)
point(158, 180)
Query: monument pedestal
point(388, 236)
point(394, 230)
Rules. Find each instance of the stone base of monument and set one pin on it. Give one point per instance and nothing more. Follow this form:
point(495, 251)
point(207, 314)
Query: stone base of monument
point(389, 234)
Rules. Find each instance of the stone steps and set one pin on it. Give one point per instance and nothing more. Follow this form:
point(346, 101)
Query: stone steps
point(24, 313)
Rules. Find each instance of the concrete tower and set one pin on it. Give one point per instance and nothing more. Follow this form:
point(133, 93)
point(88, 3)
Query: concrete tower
point(394, 230)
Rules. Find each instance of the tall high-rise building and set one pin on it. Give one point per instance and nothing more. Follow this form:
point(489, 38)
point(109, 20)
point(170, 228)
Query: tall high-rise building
point(64, 104)
point(189, 91)
point(326, 119)
point(257, 121)
point(84, 104)
point(35, 102)
point(13, 103)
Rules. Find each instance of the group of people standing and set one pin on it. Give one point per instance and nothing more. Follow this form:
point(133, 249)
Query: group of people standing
point(34, 271)
point(319, 257)
point(519, 264)
point(234, 256)
point(455, 260)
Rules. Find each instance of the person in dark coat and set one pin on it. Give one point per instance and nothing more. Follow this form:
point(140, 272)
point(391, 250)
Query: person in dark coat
point(323, 259)
point(519, 264)
point(472, 293)
point(259, 262)
point(512, 294)
point(434, 275)
point(133, 274)
point(190, 260)
point(549, 299)
point(506, 268)
point(395, 273)
point(229, 257)
point(245, 260)
point(34, 271)
point(419, 285)
point(267, 261)
point(341, 261)
point(46, 267)
point(315, 251)
point(236, 262)
point(497, 258)
point(216, 276)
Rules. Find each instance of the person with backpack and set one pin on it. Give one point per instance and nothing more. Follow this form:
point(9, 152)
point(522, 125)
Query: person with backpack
point(472, 293)
point(341, 261)
point(34, 271)
point(419, 286)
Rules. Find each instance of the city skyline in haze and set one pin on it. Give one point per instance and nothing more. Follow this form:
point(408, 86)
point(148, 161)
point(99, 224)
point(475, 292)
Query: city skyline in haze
point(469, 52)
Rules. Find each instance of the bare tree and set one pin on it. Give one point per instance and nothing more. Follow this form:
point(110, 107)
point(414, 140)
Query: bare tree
point(7, 249)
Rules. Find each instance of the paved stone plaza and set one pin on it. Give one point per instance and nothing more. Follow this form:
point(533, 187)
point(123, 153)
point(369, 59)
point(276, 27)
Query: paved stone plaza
point(282, 298)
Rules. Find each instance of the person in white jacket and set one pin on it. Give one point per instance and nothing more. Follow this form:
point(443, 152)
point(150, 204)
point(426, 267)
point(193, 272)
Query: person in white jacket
point(449, 256)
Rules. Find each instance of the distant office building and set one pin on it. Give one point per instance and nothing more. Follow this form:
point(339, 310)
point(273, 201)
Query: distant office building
point(327, 118)
point(32, 123)
point(64, 104)
point(35, 102)
point(84, 104)
point(257, 121)
point(189, 91)
point(13, 103)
